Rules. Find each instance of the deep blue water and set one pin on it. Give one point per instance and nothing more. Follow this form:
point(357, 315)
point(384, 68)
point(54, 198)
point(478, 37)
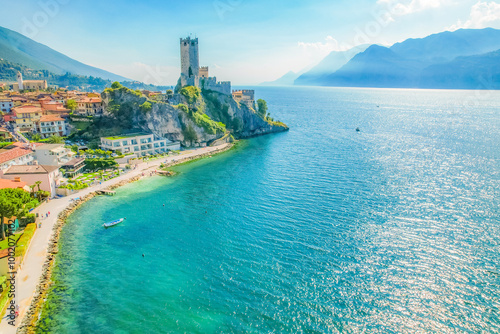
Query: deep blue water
point(321, 229)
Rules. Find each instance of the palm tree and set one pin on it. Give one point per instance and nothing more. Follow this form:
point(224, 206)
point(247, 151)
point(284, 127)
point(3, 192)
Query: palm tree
point(38, 183)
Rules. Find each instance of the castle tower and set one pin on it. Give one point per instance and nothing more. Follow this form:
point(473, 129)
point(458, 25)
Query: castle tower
point(20, 81)
point(190, 62)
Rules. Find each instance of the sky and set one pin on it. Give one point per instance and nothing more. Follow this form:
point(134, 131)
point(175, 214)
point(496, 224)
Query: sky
point(243, 41)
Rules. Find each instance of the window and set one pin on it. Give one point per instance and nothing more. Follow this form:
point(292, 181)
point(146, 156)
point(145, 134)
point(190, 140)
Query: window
point(125, 143)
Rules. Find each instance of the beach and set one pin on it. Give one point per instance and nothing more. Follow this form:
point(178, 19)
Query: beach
point(34, 266)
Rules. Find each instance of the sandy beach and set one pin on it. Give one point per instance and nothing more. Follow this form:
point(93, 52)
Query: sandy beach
point(31, 271)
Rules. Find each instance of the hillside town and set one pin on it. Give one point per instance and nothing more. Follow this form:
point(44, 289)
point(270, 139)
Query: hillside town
point(35, 123)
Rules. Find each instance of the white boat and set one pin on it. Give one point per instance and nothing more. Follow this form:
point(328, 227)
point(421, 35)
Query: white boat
point(113, 223)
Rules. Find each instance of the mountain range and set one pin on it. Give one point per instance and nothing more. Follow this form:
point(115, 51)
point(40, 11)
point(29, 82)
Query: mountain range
point(20, 49)
point(462, 59)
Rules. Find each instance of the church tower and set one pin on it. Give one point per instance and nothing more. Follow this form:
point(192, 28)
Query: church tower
point(190, 62)
point(20, 81)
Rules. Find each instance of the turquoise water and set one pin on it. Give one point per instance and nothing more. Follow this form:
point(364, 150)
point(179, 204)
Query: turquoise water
point(321, 229)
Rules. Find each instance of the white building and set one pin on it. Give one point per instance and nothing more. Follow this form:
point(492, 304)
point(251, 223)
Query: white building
point(139, 143)
point(6, 105)
point(51, 125)
point(53, 154)
point(16, 154)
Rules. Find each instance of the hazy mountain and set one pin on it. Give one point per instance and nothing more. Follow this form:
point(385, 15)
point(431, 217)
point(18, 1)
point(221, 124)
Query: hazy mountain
point(411, 63)
point(19, 49)
point(472, 72)
point(331, 63)
point(286, 80)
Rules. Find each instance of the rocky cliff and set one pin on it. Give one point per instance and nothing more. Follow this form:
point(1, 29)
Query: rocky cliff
point(199, 118)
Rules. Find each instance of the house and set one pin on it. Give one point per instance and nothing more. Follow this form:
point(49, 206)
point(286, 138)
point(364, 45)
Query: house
point(89, 106)
point(73, 167)
point(51, 125)
point(14, 184)
point(49, 176)
point(16, 154)
point(54, 108)
point(6, 105)
point(52, 154)
point(5, 135)
point(141, 144)
point(27, 116)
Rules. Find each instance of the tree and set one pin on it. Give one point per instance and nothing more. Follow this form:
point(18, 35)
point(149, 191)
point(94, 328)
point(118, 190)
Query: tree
point(14, 202)
point(262, 107)
point(189, 134)
point(116, 85)
point(55, 140)
point(36, 137)
point(38, 183)
point(74, 148)
point(145, 107)
point(71, 104)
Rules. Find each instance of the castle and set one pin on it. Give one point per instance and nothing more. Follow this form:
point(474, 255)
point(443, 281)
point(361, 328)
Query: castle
point(194, 75)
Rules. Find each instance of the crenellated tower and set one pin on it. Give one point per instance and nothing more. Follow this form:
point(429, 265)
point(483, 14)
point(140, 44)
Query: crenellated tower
point(190, 62)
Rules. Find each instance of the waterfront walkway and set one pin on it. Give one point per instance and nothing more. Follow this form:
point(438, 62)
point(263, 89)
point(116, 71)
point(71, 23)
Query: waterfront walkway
point(30, 273)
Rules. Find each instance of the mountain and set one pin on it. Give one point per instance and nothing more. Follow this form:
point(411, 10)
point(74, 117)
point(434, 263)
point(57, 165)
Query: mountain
point(415, 63)
point(472, 72)
point(20, 49)
point(286, 80)
point(331, 63)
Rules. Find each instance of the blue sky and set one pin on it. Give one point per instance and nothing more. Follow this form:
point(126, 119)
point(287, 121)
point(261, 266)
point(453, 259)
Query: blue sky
point(245, 41)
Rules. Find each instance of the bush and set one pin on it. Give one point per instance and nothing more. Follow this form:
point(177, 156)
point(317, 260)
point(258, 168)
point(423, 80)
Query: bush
point(191, 93)
point(24, 240)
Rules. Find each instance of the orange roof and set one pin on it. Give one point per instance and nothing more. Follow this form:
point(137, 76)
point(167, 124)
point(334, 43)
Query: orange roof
point(26, 109)
point(4, 184)
point(54, 106)
point(14, 153)
point(50, 118)
point(89, 100)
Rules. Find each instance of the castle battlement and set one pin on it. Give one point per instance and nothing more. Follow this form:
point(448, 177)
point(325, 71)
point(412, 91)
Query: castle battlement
point(211, 83)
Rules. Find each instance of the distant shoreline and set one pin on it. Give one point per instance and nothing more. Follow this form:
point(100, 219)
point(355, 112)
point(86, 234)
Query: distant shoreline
point(61, 209)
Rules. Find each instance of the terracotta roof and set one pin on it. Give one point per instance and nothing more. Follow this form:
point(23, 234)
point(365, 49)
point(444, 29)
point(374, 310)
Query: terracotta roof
point(4, 184)
point(89, 100)
point(13, 153)
point(30, 169)
point(50, 118)
point(26, 109)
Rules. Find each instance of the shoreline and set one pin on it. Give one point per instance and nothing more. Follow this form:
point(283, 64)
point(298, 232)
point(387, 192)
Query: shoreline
point(32, 304)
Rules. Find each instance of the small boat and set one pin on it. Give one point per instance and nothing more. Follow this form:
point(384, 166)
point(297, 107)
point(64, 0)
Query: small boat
point(113, 223)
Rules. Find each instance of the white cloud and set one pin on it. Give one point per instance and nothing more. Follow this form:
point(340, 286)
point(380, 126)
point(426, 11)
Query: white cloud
point(330, 44)
point(482, 15)
point(405, 7)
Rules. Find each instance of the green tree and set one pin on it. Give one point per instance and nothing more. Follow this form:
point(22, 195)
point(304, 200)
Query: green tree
point(55, 140)
point(191, 93)
point(36, 137)
point(262, 107)
point(145, 107)
point(14, 202)
point(189, 134)
point(71, 105)
point(38, 183)
point(74, 148)
point(116, 85)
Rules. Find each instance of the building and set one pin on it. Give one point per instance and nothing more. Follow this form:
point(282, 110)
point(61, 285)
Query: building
point(89, 106)
point(26, 117)
point(245, 96)
point(211, 83)
point(204, 72)
point(141, 144)
point(49, 176)
point(6, 105)
point(73, 167)
point(14, 184)
point(190, 62)
point(53, 154)
point(55, 108)
point(29, 84)
point(16, 154)
point(5, 135)
point(52, 125)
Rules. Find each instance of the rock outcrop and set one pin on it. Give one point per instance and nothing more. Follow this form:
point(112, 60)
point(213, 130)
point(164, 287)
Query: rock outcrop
point(197, 119)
